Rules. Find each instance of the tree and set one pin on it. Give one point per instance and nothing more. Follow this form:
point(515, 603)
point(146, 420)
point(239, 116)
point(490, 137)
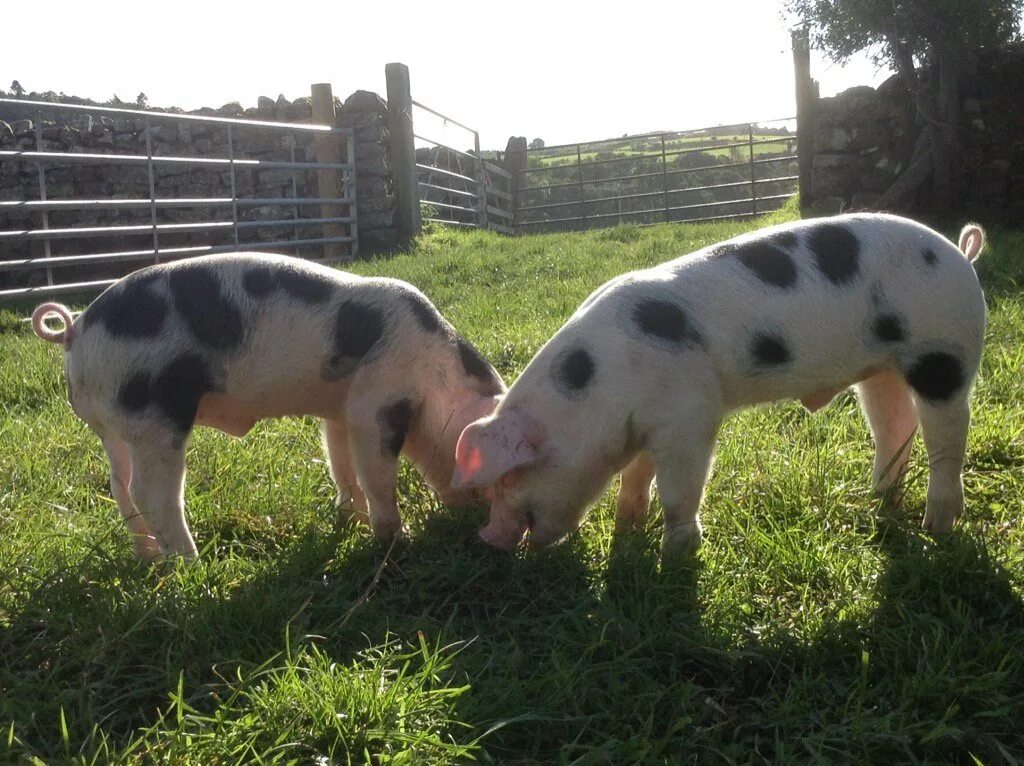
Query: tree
point(537, 143)
point(17, 89)
point(142, 101)
point(931, 44)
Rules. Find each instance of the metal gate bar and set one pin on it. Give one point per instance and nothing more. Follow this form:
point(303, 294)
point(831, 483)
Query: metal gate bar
point(143, 123)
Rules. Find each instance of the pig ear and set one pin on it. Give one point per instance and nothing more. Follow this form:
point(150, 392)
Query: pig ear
point(490, 448)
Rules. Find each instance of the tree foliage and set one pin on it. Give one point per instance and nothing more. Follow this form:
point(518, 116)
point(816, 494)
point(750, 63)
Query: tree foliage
point(924, 28)
point(17, 89)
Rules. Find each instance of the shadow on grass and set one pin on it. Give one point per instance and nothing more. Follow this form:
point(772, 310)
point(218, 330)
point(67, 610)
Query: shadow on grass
point(570, 653)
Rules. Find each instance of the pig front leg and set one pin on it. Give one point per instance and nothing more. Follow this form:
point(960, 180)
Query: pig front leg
point(377, 432)
point(683, 457)
point(157, 489)
point(351, 499)
point(635, 494)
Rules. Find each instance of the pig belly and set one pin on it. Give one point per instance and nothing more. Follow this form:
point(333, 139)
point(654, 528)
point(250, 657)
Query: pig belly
point(237, 413)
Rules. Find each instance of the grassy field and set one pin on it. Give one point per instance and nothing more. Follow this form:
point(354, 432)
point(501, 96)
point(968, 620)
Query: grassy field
point(813, 626)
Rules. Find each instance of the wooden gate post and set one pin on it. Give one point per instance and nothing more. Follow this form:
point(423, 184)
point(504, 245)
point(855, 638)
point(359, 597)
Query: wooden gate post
point(515, 164)
point(806, 97)
point(328, 149)
point(403, 152)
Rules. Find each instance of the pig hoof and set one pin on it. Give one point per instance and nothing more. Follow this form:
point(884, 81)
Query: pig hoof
point(939, 517)
point(681, 538)
point(146, 550)
point(943, 507)
point(356, 517)
point(388, 529)
point(628, 525)
point(891, 498)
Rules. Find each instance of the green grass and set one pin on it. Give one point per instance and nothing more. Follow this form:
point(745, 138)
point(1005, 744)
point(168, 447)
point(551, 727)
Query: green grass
point(812, 627)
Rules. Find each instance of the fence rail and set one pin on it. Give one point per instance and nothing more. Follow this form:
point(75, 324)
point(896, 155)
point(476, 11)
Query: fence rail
point(577, 177)
point(459, 187)
point(44, 248)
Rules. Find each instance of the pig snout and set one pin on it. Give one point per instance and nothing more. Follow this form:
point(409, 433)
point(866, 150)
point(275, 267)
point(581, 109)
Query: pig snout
point(504, 531)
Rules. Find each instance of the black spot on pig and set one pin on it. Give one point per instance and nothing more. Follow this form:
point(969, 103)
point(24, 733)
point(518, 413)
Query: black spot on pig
point(666, 321)
point(476, 367)
point(210, 315)
point(888, 328)
point(309, 287)
point(574, 370)
point(395, 420)
point(132, 308)
point(936, 376)
point(426, 314)
point(258, 281)
point(768, 262)
point(836, 252)
point(134, 394)
point(358, 328)
point(784, 239)
point(929, 256)
point(175, 391)
point(769, 350)
point(306, 286)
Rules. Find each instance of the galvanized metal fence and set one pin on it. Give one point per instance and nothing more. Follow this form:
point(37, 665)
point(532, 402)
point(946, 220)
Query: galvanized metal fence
point(461, 188)
point(225, 223)
point(692, 175)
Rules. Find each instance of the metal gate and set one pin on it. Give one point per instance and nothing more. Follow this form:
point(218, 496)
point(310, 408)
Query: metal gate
point(244, 184)
point(461, 188)
point(726, 171)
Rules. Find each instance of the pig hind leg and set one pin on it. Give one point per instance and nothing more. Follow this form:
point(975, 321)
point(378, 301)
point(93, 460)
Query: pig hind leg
point(146, 548)
point(944, 428)
point(157, 489)
point(635, 493)
point(339, 457)
point(892, 418)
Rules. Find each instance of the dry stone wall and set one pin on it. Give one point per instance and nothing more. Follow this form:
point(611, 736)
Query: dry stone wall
point(864, 137)
point(364, 112)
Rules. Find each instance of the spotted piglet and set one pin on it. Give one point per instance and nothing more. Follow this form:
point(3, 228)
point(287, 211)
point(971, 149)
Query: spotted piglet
point(228, 340)
point(640, 377)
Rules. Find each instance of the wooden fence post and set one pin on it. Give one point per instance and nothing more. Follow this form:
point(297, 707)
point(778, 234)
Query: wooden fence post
point(403, 152)
point(328, 149)
point(806, 106)
point(515, 164)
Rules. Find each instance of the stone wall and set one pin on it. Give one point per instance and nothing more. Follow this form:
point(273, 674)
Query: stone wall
point(366, 114)
point(97, 134)
point(864, 137)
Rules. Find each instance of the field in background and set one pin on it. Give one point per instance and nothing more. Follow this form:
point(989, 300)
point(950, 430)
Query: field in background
point(812, 626)
point(710, 145)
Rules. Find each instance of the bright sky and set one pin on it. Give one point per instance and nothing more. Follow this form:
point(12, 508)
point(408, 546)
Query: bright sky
point(564, 72)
